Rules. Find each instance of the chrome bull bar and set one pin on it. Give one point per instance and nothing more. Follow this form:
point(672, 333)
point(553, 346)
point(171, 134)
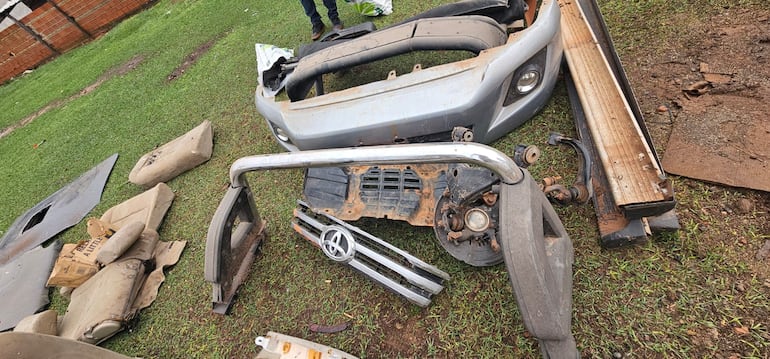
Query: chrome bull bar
point(536, 248)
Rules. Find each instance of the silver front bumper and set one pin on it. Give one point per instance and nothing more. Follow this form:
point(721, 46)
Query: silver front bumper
point(470, 93)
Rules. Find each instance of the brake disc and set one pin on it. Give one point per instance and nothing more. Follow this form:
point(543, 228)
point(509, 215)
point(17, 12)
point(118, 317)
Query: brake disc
point(466, 216)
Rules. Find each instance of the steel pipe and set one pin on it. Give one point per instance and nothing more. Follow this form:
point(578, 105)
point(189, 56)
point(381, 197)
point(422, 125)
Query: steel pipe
point(471, 153)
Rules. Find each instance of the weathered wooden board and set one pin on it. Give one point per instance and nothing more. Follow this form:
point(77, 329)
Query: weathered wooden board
point(632, 171)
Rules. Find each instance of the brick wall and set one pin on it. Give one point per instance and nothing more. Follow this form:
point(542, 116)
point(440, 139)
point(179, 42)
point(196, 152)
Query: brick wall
point(99, 15)
point(20, 51)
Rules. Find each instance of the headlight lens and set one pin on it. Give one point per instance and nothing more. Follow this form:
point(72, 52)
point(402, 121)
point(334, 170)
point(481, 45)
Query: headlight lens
point(281, 134)
point(527, 77)
point(527, 81)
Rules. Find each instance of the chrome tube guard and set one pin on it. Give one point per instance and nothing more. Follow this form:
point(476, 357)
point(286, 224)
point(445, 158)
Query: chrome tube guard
point(536, 248)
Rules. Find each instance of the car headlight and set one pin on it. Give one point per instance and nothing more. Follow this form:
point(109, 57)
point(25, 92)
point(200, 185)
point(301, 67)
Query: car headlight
point(527, 81)
point(281, 135)
point(527, 77)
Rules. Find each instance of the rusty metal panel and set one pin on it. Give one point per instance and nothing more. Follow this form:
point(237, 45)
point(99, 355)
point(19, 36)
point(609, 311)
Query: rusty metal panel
point(415, 203)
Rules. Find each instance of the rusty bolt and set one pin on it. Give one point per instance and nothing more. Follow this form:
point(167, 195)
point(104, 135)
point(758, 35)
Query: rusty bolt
point(490, 198)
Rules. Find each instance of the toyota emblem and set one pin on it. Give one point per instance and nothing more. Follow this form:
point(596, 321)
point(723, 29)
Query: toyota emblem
point(338, 244)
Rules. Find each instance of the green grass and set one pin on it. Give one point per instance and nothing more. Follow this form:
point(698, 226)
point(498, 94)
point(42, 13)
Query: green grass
point(663, 299)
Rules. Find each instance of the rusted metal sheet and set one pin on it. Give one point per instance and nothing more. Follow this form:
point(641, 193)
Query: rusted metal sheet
point(529, 16)
point(356, 206)
point(730, 135)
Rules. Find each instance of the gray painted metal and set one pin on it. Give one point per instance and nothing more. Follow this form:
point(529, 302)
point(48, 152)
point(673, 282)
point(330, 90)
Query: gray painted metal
point(22, 284)
point(538, 255)
point(470, 93)
point(61, 210)
point(233, 241)
point(470, 33)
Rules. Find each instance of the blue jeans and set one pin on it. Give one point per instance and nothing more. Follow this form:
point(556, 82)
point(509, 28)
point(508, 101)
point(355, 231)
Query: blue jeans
point(312, 13)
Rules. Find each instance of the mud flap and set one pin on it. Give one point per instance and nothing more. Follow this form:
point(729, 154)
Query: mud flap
point(234, 238)
point(538, 256)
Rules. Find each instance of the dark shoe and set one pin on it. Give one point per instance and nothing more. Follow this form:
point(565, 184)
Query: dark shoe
point(338, 25)
point(318, 30)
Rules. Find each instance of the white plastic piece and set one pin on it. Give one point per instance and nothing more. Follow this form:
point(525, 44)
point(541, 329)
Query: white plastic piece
point(281, 346)
point(261, 342)
point(267, 57)
point(372, 7)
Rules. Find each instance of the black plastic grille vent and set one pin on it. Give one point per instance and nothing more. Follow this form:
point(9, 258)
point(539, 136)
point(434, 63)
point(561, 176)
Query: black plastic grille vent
point(390, 180)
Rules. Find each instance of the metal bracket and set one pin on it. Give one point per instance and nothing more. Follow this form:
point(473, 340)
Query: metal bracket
point(234, 238)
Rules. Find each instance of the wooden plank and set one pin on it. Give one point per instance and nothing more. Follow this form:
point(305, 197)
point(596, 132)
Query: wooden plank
point(632, 171)
point(529, 16)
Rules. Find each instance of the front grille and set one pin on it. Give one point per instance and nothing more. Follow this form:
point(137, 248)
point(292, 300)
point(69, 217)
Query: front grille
point(391, 267)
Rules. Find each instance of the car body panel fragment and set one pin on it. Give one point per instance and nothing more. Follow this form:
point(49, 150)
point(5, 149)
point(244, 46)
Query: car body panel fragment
point(469, 33)
point(391, 267)
point(22, 284)
point(232, 243)
point(395, 110)
point(61, 210)
point(403, 192)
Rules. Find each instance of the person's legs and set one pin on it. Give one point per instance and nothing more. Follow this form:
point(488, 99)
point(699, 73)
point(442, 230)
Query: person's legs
point(315, 18)
point(311, 12)
point(334, 16)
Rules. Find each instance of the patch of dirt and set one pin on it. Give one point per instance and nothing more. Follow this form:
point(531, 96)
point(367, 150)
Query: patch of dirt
point(711, 89)
point(116, 71)
point(408, 334)
point(716, 86)
point(191, 59)
point(708, 95)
